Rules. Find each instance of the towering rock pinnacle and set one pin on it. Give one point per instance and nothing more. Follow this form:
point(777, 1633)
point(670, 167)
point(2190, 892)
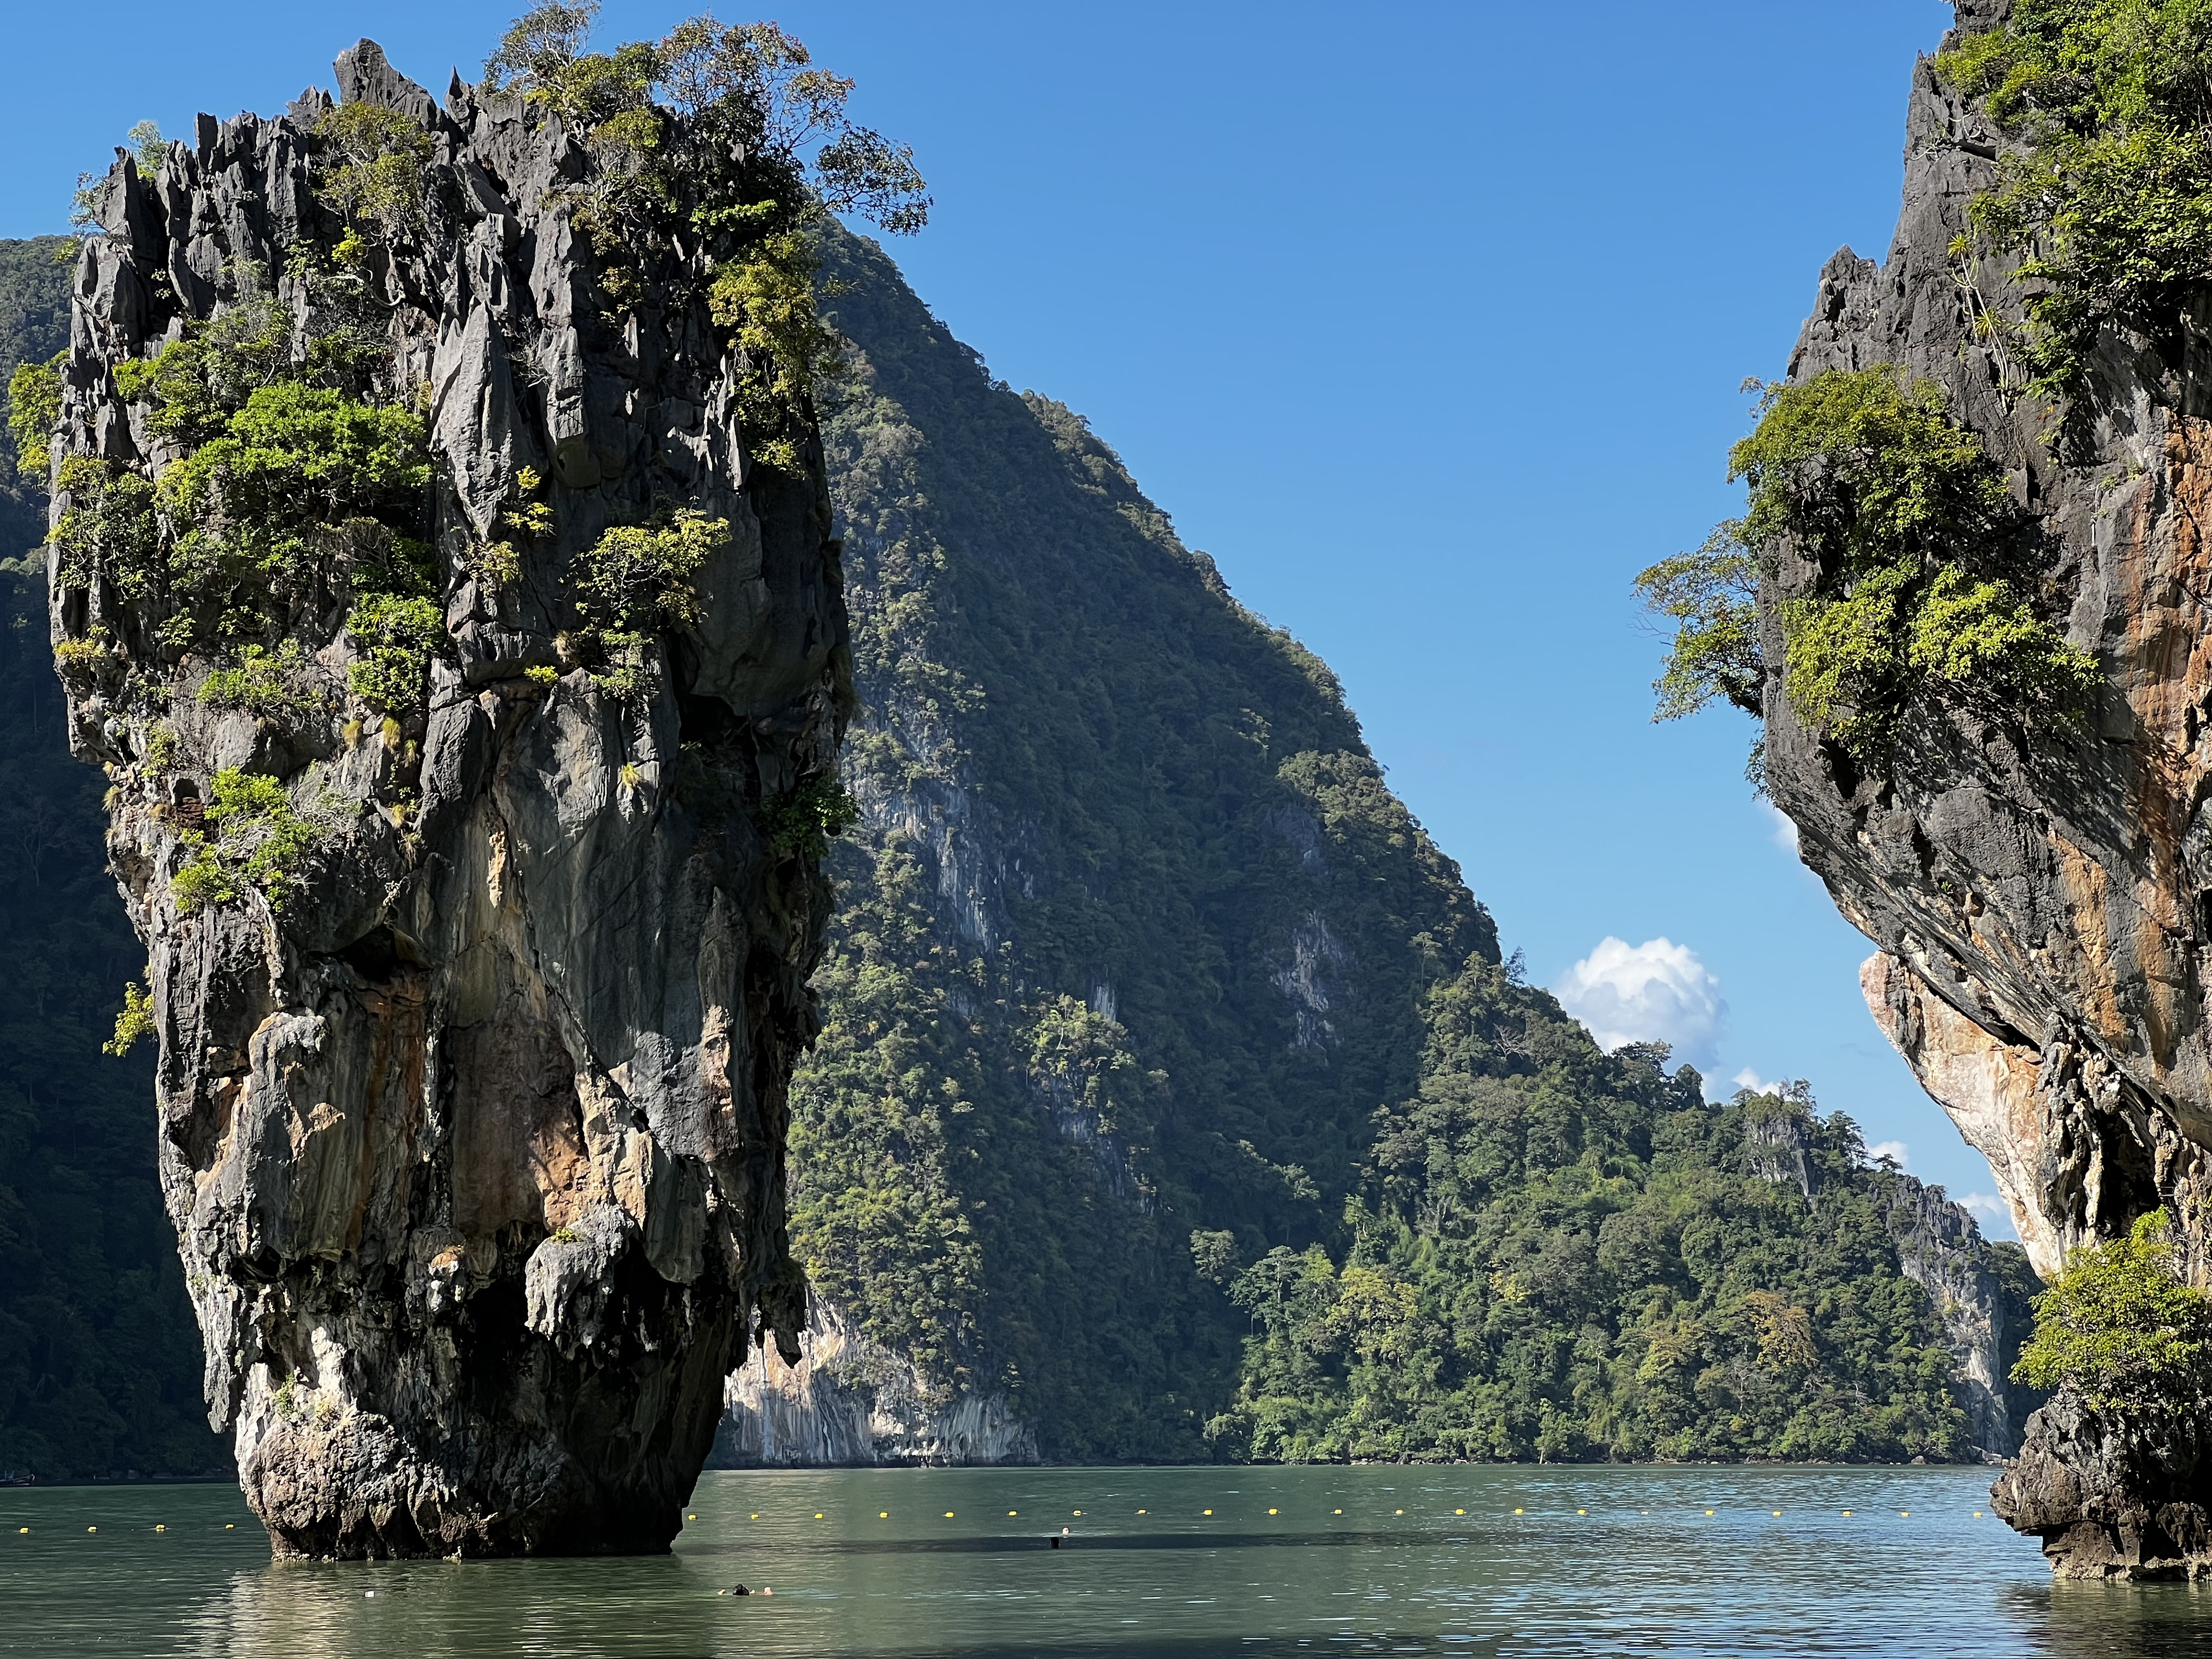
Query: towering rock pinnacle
point(480, 920)
point(2042, 900)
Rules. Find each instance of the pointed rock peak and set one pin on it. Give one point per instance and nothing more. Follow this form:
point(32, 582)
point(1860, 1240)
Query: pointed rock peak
point(365, 76)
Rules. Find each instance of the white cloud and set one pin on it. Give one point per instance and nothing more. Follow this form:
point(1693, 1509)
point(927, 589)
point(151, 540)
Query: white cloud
point(1893, 1149)
point(1784, 828)
point(1749, 1079)
point(1657, 991)
point(1992, 1212)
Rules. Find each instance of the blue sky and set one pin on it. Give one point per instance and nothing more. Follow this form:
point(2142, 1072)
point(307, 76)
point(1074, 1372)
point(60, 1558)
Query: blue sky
point(1426, 320)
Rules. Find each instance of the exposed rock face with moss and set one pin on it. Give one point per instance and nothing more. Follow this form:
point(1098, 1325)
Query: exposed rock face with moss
point(478, 881)
point(2040, 890)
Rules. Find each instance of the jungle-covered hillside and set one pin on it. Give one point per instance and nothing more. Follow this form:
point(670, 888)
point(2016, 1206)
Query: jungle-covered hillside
point(1172, 1085)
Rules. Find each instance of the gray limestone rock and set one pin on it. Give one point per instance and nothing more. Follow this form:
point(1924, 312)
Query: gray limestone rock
point(2041, 898)
point(1939, 1248)
point(474, 1134)
point(2112, 1495)
point(850, 1402)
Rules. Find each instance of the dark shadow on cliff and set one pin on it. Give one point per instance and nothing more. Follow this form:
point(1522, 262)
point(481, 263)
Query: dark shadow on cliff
point(99, 1368)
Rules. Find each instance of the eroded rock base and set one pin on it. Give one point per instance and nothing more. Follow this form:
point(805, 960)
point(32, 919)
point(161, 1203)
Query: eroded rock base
point(2112, 1496)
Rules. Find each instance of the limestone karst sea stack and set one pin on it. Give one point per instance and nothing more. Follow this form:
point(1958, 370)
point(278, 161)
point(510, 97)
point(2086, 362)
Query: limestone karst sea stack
point(1979, 512)
point(441, 572)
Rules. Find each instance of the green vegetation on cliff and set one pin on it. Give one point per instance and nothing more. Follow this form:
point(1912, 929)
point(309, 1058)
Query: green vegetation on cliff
point(1920, 566)
point(728, 142)
point(1133, 936)
point(2108, 201)
point(1555, 1253)
point(2121, 1329)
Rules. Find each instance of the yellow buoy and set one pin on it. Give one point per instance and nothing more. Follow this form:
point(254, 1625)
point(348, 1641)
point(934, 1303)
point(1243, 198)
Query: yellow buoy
point(1209, 1511)
point(1144, 1511)
point(1708, 1512)
point(158, 1527)
point(882, 1515)
point(1078, 1511)
point(1013, 1511)
point(230, 1526)
point(92, 1528)
point(1399, 1512)
point(1582, 1511)
point(1906, 1512)
point(948, 1515)
point(22, 1529)
point(817, 1515)
point(1517, 1511)
point(1978, 1514)
point(1339, 1512)
point(1846, 1511)
point(1778, 1511)
point(691, 1517)
point(1270, 1512)
point(1455, 1511)
point(756, 1515)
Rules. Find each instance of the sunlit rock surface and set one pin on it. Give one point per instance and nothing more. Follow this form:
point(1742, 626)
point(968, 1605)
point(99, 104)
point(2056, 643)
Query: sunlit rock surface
point(850, 1402)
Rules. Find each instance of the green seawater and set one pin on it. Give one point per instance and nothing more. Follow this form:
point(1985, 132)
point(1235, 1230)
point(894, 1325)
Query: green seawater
point(1596, 1561)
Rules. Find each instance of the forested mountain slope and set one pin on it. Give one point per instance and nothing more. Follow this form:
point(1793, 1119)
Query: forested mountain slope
point(1173, 1100)
point(99, 1361)
point(1134, 935)
point(1145, 983)
point(1560, 1254)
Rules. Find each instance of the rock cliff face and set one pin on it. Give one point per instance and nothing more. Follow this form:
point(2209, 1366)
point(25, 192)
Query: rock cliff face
point(473, 1103)
point(850, 1403)
point(2111, 1496)
point(1941, 1249)
point(2043, 904)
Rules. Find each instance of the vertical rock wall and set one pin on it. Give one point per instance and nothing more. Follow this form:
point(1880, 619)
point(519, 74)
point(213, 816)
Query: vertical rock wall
point(2042, 902)
point(473, 1135)
point(850, 1402)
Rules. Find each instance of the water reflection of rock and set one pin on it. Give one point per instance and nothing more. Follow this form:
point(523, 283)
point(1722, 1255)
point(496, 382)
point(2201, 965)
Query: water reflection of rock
point(294, 1610)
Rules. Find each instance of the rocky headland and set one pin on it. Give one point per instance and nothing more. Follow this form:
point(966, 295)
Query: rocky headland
point(470, 665)
point(2040, 889)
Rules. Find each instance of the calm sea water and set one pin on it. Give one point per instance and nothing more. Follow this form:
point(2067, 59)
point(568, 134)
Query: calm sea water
point(1459, 1561)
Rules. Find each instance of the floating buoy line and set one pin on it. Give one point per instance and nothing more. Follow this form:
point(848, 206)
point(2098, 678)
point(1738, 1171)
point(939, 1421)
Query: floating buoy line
point(1015, 1514)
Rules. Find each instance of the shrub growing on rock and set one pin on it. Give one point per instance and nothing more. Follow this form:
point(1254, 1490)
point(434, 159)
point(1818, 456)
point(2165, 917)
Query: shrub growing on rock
point(1921, 558)
point(2110, 194)
point(2120, 1327)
